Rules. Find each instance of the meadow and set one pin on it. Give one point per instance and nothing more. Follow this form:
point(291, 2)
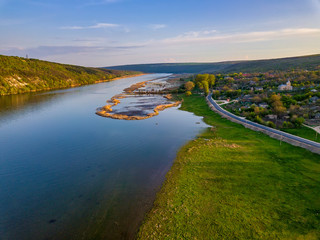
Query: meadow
point(234, 183)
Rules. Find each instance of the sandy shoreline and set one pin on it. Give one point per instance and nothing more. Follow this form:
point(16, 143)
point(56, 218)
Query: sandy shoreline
point(106, 111)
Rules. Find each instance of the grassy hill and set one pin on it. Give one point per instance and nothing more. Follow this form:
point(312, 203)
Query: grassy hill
point(19, 75)
point(282, 64)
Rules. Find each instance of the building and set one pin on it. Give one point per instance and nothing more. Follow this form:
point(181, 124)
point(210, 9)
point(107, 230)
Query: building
point(271, 117)
point(264, 105)
point(313, 99)
point(285, 87)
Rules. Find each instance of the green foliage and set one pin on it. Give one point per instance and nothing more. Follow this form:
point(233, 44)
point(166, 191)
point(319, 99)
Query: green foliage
point(285, 124)
point(259, 120)
point(19, 75)
point(188, 93)
point(298, 121)
point(189, 86)
point(271, 124)
point(204, 81)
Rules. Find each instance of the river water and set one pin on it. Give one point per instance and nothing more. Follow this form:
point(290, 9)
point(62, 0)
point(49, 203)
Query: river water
point(66, 173)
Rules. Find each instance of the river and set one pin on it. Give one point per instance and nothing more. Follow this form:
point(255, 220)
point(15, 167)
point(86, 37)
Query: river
point(66, 173)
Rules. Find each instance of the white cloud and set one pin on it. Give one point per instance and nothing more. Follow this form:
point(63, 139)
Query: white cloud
point(96, 26)
point(157, 26)
point(48, 51)
point(213, 36)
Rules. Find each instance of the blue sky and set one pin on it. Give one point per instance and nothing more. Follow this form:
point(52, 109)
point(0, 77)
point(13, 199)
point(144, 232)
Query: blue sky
point(113, 32)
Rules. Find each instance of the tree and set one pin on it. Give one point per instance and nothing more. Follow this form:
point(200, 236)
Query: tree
point(298, 121)
point(257, 110)
point(202, 78)
point(211, 80)
point(188, 93)
point(271, 124)
point(256, 99)
point(277, 104)
point(189, 86)
point(206, 87)
point(279, 110)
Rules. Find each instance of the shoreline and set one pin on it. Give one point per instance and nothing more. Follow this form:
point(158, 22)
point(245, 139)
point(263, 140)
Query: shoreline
point(156, 110)
point(76, 85)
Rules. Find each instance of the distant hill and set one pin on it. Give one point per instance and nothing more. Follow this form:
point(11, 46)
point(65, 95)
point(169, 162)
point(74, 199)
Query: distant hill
point(282, 64)
point(19, 75)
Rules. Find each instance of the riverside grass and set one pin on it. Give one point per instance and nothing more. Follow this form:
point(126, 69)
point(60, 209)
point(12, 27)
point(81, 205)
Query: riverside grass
point(234, 183)
point(305, 132)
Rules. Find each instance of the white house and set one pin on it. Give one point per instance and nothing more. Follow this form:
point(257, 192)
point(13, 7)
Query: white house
point(285, 87)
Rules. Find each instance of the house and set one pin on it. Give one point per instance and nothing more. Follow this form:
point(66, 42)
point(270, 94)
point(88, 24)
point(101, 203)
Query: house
point(271, 117)
point(259, 89)
point(314, 99)
point(285, 87)
point(263, 105)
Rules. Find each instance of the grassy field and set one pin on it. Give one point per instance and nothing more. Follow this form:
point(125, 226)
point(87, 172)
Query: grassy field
point(305, 132)
point(234, 183)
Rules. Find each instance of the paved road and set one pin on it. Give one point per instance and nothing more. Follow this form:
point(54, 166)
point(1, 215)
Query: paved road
point(287, 135)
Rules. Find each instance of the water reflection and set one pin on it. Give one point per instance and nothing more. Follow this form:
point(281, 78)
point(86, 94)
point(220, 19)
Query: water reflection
point(66, 173)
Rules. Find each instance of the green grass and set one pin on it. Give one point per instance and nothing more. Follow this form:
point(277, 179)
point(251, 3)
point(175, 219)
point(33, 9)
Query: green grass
point(234, 183)
point(305, 132)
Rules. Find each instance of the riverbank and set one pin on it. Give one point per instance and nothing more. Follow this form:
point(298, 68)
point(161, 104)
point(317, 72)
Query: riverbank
point(24, 75)
point(234, 183)
point(73, 85)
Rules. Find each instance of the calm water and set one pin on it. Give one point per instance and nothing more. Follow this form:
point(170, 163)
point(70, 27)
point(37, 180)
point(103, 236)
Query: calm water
point(66, 173)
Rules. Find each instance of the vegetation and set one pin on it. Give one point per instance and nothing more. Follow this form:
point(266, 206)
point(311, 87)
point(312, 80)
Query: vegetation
point(305, 132)
point(234, 183)
point(19, 75)
point(283, 100)
point(283, 64)
point(205, 81)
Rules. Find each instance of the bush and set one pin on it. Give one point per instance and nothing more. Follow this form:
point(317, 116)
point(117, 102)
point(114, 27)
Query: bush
point(271, 124)
point(259, 120)
point(285, 124)
point(298, 121)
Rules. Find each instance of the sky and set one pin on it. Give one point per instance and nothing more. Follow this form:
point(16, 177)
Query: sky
point(100, 33)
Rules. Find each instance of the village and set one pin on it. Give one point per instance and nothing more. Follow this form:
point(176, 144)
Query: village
point(277, 99)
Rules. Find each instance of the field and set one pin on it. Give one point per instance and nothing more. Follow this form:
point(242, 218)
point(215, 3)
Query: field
point(234, 183)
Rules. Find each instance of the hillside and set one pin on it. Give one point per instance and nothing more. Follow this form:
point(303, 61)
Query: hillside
point(282, 64)
point(19, 75)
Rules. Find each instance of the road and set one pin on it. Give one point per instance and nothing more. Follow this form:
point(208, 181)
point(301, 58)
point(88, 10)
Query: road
point(262, 127)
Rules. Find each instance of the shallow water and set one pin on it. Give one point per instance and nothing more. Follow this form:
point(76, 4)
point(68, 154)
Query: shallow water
point(66, 173)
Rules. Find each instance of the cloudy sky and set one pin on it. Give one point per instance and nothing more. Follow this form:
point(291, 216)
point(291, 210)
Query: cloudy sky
point(114, 32)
